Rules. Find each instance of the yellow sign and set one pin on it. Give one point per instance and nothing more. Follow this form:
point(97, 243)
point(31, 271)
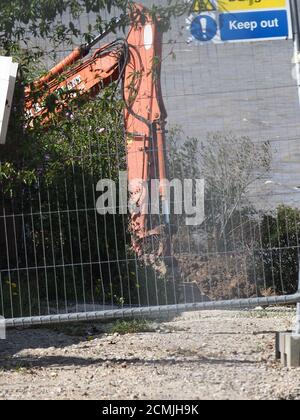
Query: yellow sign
point(233, 5)
point(199, 6)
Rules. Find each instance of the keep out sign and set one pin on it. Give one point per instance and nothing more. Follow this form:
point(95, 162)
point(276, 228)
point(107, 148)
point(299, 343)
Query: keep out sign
point(240, 20)
point(240, 26)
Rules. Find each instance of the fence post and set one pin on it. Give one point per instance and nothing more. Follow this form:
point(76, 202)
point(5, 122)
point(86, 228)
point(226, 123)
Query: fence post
point(288, 349)
point(297, 326)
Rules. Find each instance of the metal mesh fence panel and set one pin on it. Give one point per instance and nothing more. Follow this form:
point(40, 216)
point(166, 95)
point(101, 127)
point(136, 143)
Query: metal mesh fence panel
point(233, 121)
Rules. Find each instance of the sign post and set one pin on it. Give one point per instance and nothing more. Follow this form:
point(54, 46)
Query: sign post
point(221, 21)
point(296, 37)
point(8, 74)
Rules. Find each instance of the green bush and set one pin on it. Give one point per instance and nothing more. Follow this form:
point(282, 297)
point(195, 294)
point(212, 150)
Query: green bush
point(48, 220)
point(277, 253)
point(81, 255)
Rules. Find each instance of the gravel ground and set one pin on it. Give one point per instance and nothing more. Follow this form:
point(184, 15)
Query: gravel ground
point(207, 355)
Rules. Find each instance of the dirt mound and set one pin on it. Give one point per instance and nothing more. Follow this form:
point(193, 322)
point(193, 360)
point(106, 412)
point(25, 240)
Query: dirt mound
point(218, 277)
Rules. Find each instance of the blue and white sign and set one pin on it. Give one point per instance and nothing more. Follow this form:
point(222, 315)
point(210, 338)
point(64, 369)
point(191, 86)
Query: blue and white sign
point(204, 28)
point(240, 20)
point(254, 25)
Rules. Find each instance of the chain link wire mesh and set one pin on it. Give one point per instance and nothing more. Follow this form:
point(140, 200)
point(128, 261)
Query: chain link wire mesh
point(233, 120)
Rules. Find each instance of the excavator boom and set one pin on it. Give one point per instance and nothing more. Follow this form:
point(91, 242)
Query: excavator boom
point(135, 62)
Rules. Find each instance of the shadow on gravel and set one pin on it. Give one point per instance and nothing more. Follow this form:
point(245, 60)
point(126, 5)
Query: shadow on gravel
point(57, 337)
point(63, 361)
point(18, 340)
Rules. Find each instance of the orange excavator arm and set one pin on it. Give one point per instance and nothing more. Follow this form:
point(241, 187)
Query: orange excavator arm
point(136, 63)
point(145, 117)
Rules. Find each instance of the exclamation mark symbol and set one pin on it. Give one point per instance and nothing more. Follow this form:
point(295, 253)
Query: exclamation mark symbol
point(203, 23)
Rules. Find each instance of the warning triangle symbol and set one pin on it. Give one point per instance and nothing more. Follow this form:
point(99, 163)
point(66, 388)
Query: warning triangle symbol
point(199, 6)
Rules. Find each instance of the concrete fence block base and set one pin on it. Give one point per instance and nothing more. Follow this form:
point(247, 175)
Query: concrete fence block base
point(288, 349)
